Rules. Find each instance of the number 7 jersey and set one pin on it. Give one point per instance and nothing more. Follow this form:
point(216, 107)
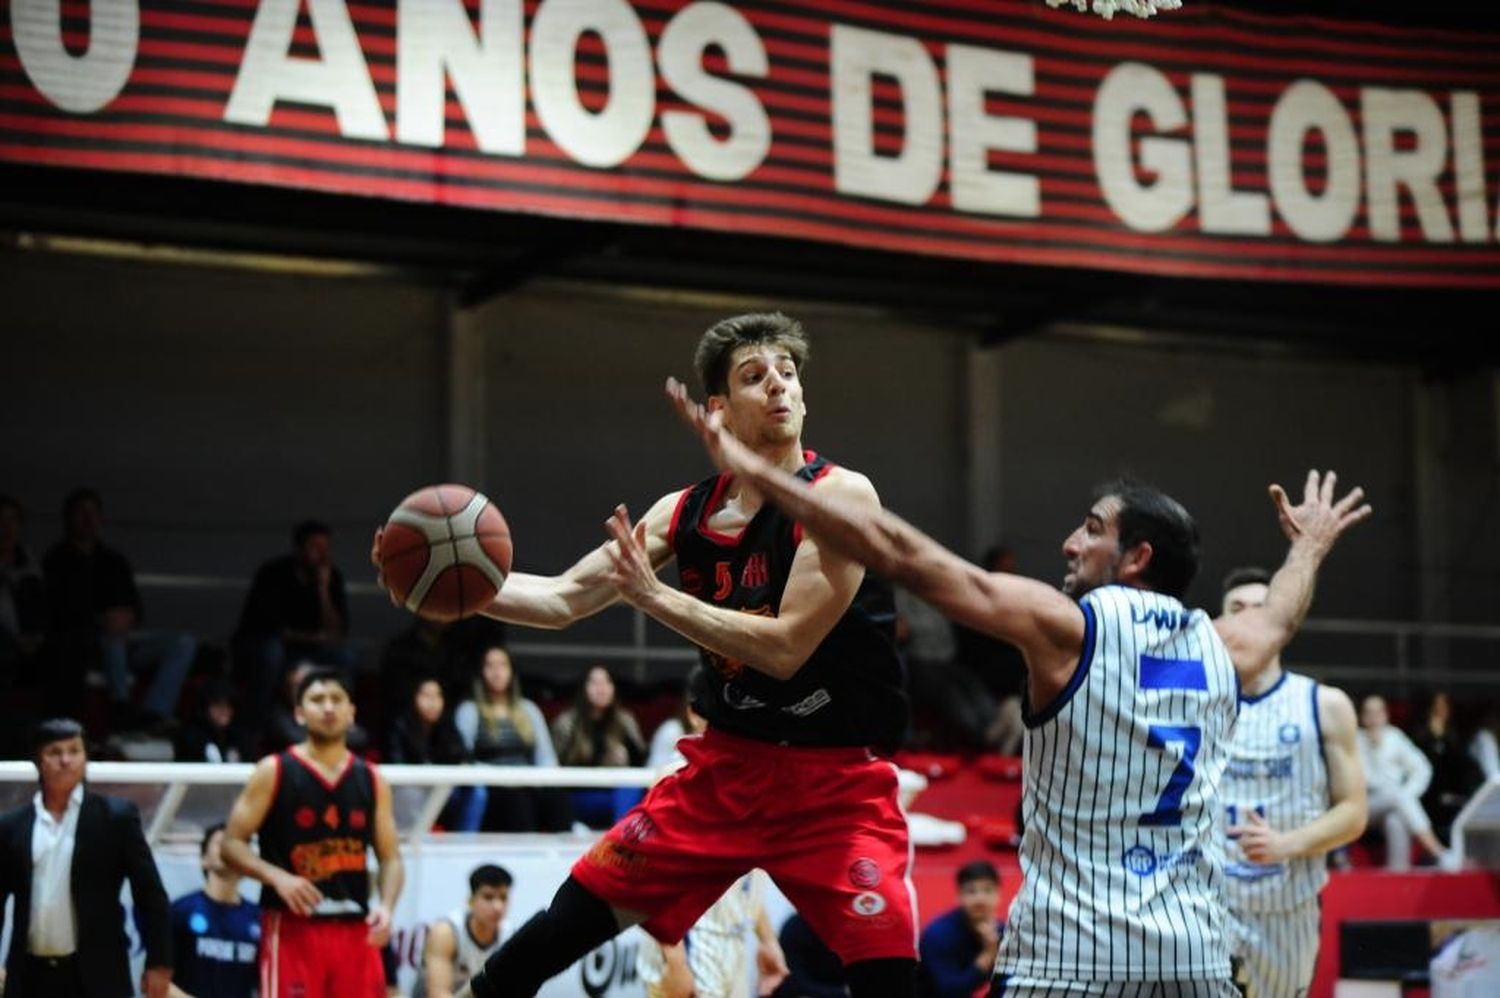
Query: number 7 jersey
point(1123, 851)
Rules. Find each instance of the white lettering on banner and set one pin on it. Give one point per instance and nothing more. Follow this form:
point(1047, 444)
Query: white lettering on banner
point(856, 57)
point(1308, 106)
point(1384, 114)
point(680, 55)
point(1130, 88)
point(1220, 207)
point(1468, 166)
point(972, 74)
point(434, 43)
point(85, 83)
point(612, 135)
point(338, 79)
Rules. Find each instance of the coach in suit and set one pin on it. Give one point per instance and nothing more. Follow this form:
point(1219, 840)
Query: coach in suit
point(63, 856)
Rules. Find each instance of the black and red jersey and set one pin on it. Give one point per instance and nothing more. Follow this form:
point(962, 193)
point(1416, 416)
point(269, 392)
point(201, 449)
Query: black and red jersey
point(851, 691)
point(322, 830)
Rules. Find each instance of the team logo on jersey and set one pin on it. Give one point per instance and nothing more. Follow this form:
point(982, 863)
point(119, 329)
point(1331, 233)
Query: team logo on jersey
point(813, 702)
point(868, 904)
point(864, 873)
point(637, 829)
point(692, 581)
point(1140, 861)
point(757, 571)
point(198, 922)
point(358, 819)
point(1290, 734)
point(305, 817)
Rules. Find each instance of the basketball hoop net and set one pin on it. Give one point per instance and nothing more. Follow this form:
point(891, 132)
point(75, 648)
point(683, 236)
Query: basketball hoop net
point(1108, 8)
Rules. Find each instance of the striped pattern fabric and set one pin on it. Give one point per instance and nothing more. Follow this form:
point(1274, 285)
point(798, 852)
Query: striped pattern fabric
point(1016, 987)
point(1123, 849)
point(1276, 770)
point(1277, 951)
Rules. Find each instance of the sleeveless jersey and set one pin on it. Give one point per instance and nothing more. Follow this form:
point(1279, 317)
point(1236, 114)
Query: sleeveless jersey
point(1123, 850)
point(468, 956)
point(1276, 769)
point(850, 692)
point(322, 831)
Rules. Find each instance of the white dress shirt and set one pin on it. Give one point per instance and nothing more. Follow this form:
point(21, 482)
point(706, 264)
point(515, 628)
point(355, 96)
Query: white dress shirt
point(53, 930)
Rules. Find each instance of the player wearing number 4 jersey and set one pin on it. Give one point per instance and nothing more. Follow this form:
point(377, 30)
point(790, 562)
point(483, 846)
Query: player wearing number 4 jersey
point(1294, 790)
point(1131, 697)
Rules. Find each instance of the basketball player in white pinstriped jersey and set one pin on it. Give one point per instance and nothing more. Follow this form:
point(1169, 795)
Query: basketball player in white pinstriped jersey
point(1294, 791)
point(1132, 700)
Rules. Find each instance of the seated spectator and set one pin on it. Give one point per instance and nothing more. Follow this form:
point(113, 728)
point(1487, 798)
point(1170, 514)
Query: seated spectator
point(216, 932)
point(998, 665)
point(297, 608)
point(1397, 774)
point(423, 734)
point(1451, 746)
point(216, 735)
point(96, 618)
point(458, 943)
point(501, 727)
point(599, 731)
point(686, 721)
point(23, 620)
point(813, 970)
point(958, 948)
point(957, 703)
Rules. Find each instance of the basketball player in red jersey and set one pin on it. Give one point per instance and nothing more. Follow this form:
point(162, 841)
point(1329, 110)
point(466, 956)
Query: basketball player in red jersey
point(802, 682)
point(318, 809)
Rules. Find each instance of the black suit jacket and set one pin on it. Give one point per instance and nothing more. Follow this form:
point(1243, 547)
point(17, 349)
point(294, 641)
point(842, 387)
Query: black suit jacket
point(110, 847)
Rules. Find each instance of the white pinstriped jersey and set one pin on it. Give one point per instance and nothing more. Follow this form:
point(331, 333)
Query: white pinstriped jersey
point(718, 950)
point(1277, 769)
point(468, 956)
point(1123, 850)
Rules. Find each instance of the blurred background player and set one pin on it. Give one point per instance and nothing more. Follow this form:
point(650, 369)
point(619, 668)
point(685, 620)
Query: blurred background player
point(319, 809)
point(714, 958)
point(215, 932)
point(458, 943)
point(1294, 791)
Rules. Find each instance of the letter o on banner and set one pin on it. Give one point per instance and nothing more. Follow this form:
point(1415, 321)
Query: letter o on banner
point(1309, 106)
point(86, 83)
point(611, 136)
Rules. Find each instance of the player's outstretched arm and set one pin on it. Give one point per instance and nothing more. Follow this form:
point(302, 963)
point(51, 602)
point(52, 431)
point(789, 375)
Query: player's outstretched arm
point(1344, 821)
point(1047, 626)
point(551, 602)
point(1255, 636)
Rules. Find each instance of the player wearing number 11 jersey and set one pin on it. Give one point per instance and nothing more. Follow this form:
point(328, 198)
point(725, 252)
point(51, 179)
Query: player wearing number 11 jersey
point(1131, 698)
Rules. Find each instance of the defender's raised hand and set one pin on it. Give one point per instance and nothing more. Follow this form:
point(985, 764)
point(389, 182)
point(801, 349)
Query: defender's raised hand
point(1318, 519)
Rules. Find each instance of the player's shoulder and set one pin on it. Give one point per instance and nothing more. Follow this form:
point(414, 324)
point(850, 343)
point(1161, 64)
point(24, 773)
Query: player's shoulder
point(847, 484)
point(1336, 714)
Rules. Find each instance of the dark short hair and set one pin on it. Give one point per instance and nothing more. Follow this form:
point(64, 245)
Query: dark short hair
point(54, 729)
point(309, 528)
point(76, 498)
point(1148, 515)
point(711, 360)
point(489, 875)
point(208, 834)
point(979, 869)
point(1245, 575)
point(323, 674)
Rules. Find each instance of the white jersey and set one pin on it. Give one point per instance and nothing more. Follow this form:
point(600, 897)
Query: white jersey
point(718, 943)
point(1123, 849)
point(1468, 965)
point(468, 956)
point(1277, 769)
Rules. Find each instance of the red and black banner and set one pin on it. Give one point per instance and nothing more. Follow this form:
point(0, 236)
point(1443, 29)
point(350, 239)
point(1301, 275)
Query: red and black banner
point(1204, 142)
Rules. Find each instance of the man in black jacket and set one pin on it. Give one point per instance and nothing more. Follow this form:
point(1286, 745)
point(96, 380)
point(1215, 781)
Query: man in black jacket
point(64, 856)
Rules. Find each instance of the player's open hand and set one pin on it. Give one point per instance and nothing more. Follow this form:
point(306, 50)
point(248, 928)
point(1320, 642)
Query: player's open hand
point(727, 453)
point(300, 895)
point(770, 965)
point(630, 569)
point(1318, 519)
point(379, 921)
point(1260, 842)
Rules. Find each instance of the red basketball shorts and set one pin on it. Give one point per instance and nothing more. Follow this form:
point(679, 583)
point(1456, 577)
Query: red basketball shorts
point(825, 823)
point(317, 958)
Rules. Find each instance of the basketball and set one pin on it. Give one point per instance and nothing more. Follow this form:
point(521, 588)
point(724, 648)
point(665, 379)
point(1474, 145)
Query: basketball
point(445, 552)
